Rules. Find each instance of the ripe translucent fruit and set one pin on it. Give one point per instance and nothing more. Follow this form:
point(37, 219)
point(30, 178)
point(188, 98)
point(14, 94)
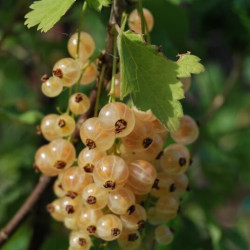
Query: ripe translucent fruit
point(111, 172)
point(118, 118)
point(121, 201)
point(70, 223)
point(52, 87)
point(70, 206)
point(163, 185)
point(86, 45)
point(95, 197)
point(129, 239)
point(89, 74)
point(109, 227)
point(58, 188)
point(55, 210)
point(48, 127)
point(67, 70)
point(188, 131)
point(163, 235)
point(87, 159)
point(181, 184)
point(134, 21)
point(65, 125)
point(175, 159)
point(167, 206)
point(74, 181)
point(63, 153)
point(79, 240)
point(135, 220)
point(79, 103)
point(87, 219)
point(94, 137)
point(142, 175)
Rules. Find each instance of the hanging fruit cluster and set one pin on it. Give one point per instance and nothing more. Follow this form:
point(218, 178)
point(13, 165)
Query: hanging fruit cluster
point(127, 174)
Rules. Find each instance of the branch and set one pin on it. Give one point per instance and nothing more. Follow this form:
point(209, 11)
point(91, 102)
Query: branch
point(117, 9)
point(19, 217)
point(219, 100)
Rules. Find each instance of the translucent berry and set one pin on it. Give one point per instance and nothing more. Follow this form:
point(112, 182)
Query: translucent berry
point(94, 137)
point(188, 131)
point(65, 125)
point(79, 103)
point(48, 127)
point(87, 219)
point(58, 188)
point(95, 197)
point(175, 159)
point(67, 70)
point(74, 181)
point(181, 184)
point(87, 159)
point(86, 46)
point(55, 210)
point(163, 235)
point(134, 20)
point(109, 227)
point(163, 185)
point(135, 220)
point(142, 175)
point(111, 172)
point(89, 74)
point(70, 207)
point(121, 201)
point(129, 239)
point(79, 240)
point(118, 118)
point(168, 205)
point(52, 87)
point(70, 223)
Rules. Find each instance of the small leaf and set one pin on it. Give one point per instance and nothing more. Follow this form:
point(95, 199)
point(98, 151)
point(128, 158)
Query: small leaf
point(46, 13)
point(98, 4)
point(30, 117)
point(151, 79)
point(189, 64)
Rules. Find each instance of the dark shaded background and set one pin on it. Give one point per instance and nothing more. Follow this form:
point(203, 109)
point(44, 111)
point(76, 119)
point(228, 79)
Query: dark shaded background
point(216, 212)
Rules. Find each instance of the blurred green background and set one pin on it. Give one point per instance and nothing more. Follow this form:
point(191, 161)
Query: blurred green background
point(216, 212)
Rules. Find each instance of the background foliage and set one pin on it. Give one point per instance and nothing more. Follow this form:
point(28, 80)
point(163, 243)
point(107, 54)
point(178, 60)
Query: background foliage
point(216, 212)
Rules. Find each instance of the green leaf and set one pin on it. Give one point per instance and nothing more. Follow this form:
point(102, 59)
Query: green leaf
point(46, 13)
point(189, 64)
point(152, 79)
point(98, 4)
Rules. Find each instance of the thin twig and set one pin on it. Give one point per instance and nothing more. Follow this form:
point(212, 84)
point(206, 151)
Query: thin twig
point(19, 217)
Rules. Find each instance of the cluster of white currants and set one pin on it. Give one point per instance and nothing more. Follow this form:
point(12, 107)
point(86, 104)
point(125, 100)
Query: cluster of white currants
point(68, 71)
point(123, 177)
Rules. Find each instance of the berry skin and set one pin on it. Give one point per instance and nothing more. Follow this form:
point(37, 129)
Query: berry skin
point(67, 70)
point(163, 235)
point(89, 74)
point(129, 239)
point(87, 159)
point(136, 220)
point(70, 223)
point(55, 210)
point(188, 131)
point(181, 184)
point(86, 46)
point(52, 87)
point(65, 125)
point(94, 137)
point(70, 207)
point(175, 159)
point(111, 172)
point(121, 201)
point(79, 240)
point(118, 118)
point(48, 127)
point(58, 188)
point(134, 20)
point(87, 219)
point(142, 175)
point(95, 197)
point(79, 103)
point(109, 227)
